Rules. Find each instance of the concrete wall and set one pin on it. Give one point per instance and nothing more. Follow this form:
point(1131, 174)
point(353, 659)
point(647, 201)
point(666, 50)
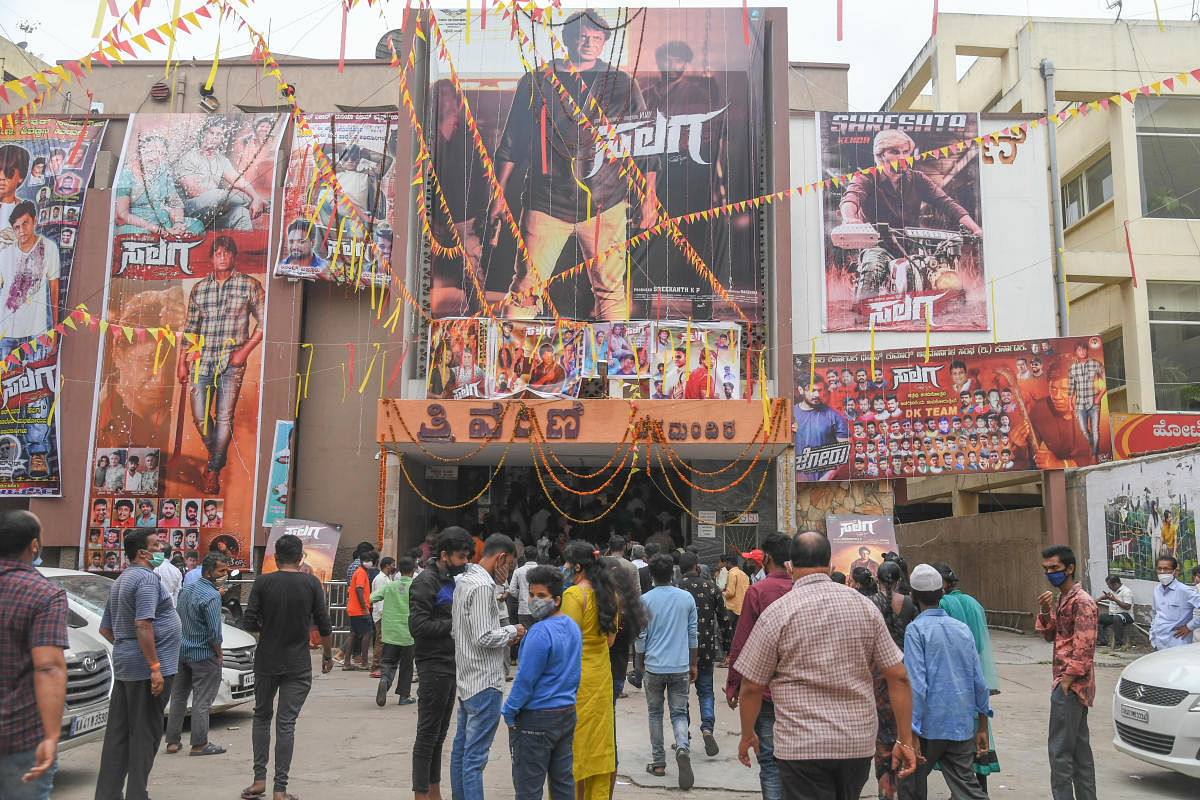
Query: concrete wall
point(997, 557)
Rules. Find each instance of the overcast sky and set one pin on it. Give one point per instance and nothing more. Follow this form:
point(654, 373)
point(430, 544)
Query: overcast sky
point(881, 37)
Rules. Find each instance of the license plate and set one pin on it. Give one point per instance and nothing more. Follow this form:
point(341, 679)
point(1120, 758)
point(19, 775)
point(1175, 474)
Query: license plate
point(1136, 714)
point(89, 722)
point(247, 680)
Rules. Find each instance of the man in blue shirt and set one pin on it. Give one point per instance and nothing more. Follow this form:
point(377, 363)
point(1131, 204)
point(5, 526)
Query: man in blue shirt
point(199, 657)
point(666, 654)
point(950, 696)
point(1175, 604)
point(140, 620)
point(540, 710)
point(818, 425)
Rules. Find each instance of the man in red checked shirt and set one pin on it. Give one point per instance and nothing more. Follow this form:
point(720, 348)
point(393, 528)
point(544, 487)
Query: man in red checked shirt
point(758, 597)
point(1070, 622)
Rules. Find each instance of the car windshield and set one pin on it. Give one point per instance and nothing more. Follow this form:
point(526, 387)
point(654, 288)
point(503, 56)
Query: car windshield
point(90, 591)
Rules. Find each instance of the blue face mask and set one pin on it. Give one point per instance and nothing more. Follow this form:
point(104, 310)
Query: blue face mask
point(1056, 578)
point(37, 561)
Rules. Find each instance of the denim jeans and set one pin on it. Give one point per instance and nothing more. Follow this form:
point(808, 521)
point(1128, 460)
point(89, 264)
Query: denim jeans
point(10, 343)
point(478, 717)
point(213, 405)
point(1089, 423)
point(704, 691)
point(293, 691)
point(540, 747)
point(14, 765)
point(435, 705)
point(768, 770)
point(675, 686)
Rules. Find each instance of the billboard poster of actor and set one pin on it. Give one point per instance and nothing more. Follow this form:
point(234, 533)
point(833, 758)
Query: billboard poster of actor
point(319, 241)
point(457, 359)
point(676, 91)
point(902, 240)
point(186, 298)
point(625, 348)
point(37, 251)
point(859, 540)
point(704, 367)
point(963, 409)
point(540, 358)
point(320, 540)
point(279, 481)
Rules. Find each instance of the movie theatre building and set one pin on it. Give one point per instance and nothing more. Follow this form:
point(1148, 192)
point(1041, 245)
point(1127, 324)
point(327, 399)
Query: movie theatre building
point(450, 284)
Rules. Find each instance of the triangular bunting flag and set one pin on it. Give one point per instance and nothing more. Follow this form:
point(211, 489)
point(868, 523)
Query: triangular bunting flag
point(1157, 87)
point(1169, 83)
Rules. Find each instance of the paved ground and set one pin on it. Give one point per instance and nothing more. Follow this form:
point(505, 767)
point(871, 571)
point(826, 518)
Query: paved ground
point(346, 745)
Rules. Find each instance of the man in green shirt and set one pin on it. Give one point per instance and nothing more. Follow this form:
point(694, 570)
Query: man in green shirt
point(397, 640)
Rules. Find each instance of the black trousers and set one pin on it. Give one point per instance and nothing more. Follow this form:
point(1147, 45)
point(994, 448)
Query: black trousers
point(135, 729)
point(397, 660)
point(435, 705)
point(823, 778)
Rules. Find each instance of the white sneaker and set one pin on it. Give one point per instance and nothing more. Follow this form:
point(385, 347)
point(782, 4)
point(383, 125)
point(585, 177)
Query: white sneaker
point(511, 308)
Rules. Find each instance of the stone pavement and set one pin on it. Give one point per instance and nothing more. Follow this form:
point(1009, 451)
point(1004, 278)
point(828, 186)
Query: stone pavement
point(347, 746)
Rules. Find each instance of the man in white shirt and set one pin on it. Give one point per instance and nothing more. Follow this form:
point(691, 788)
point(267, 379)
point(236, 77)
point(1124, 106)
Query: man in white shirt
point(386, 574)
point(214, 192)
point(171, 579)
point(1175, 604)
point(133, 479)
point(1119, 601)
point(31, 274)
point(518, 587)
point(638, 552)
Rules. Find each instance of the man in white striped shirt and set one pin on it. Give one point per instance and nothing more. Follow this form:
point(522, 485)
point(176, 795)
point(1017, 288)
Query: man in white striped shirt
point(480, 645)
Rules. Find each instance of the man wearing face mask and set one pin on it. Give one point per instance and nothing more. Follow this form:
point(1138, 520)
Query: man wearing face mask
point(1175, 604)
point(1070, 622)
point(480, 646)
point(199, 611)
point(33, 672)
point(430, 600)
point(540, 709)
point(141, 622)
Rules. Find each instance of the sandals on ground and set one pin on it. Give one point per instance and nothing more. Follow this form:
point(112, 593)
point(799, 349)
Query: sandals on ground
point(658, 770)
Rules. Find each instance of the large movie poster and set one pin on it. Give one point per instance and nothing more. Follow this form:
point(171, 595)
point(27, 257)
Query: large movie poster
point(1036, 404)
point(458, 359)
point(320, 541)
point(859, 540)
point(176, 427)
point(902, 243)
point(45, 167)
point(319, 239)
point(542, 359)
point(695, 362)
point(1137, 512)
point(681, 93)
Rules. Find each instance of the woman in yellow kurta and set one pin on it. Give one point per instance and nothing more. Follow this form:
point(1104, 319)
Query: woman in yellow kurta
point(592, 603)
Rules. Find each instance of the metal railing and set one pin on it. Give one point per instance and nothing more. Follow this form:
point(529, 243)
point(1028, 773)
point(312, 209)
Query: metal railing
point(336, 593)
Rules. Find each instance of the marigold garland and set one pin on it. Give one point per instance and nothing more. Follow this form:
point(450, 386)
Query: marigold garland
point(671, 455)
point(488, 440)
point(688, 511)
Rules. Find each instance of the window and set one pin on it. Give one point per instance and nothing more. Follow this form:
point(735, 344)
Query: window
point(1087, 191)
point(1168, 133)
point(1175, 344)
point(1114, 361)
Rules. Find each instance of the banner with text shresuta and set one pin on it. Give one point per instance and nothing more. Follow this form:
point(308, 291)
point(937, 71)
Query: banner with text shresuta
point(677, 89)
point(859, 540)
point(1138, 434)
point(321, 239)
point(902, 242)
point(1035, 404)
point(176, 419)
point(45, 168)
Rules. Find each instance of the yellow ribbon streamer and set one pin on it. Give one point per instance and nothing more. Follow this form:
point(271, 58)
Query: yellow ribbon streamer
point(171, 33)
point(212, 73)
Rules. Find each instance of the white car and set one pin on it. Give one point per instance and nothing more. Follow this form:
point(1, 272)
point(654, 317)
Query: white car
point(89, 684)
point(86, 596)
point(1156, 709)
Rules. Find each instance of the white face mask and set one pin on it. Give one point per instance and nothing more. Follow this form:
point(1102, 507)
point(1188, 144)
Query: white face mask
point(1165, 578)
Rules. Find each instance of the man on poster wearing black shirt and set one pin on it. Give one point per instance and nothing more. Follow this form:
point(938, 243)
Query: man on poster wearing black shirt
point(557, 204)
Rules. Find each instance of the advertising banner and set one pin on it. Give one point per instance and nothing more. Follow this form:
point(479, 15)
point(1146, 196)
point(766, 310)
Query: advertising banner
point(320, 240)
point(695, 362)
point(902, 243)
point(45, 167)
point(176, 416)
point(539, 358)
point(320, 540)
point(676, 89)
point(1138, 434)
point(458, 359)
point(626, 348)
point(1137, 512)
point(859, 540)
point(1035, 404)
point(279, 482)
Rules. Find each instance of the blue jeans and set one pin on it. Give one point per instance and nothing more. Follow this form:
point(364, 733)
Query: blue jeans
point(704, 691)
point(1089, 423)
point(478, 717)
point(540, 746)
point(675, 686)
point(13, 766)
point(10, 343)
point(213, 404)
point(768, 770)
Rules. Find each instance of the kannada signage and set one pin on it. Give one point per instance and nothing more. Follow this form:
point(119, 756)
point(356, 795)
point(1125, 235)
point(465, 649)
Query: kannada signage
point(45, 168)
point(1138, 434)
point(859, 540)
point(1034, 404)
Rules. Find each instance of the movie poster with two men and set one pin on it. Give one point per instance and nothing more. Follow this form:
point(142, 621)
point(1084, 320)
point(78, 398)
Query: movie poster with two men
point(321, 239)
point(45, 168)
point(176, 417)
point(679, 91)
point(902, 242)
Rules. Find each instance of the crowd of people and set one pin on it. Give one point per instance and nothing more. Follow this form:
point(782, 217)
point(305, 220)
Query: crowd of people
point(900, 685)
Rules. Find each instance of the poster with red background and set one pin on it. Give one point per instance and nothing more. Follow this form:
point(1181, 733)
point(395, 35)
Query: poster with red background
point(1138, 434)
